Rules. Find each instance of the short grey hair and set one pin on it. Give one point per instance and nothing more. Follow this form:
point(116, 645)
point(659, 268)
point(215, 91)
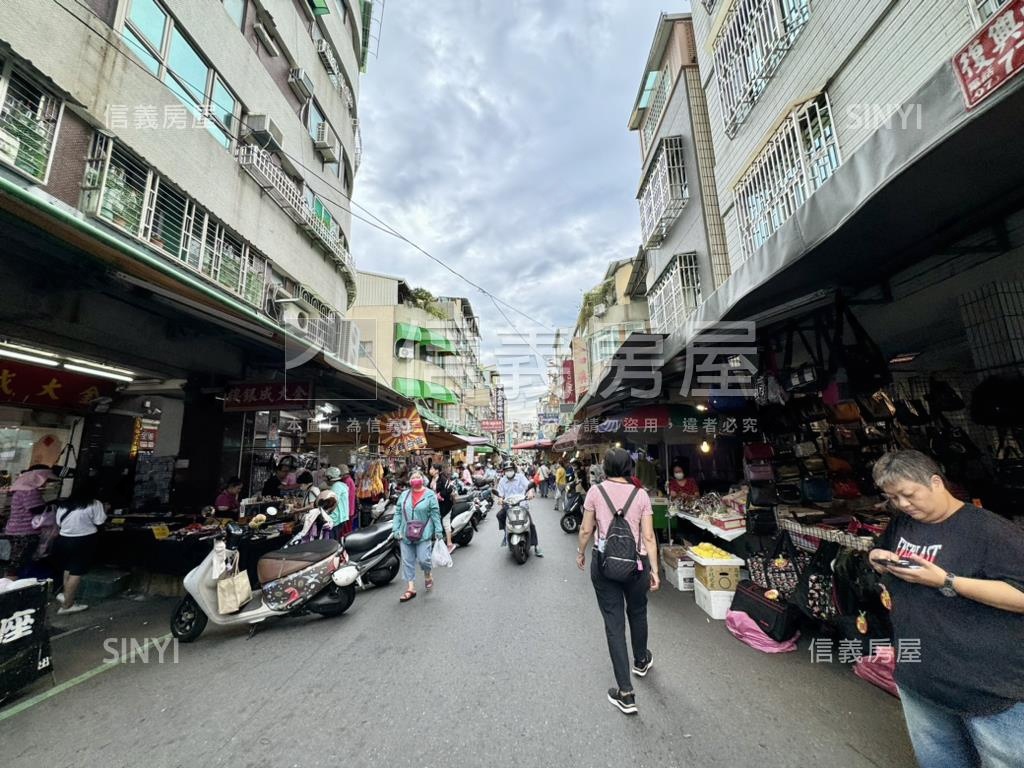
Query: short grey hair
point(909, 465)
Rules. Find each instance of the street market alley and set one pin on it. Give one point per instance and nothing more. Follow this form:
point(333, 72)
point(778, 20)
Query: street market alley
point(501, 665)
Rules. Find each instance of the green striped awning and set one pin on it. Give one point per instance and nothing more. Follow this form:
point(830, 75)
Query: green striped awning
point(436, 340)
point(319, 7)
point(413, 388)
point(407, 332)
point(440, 393)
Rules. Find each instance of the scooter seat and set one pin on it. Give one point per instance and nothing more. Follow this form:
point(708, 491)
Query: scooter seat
point(366, 539)
point(284, 562)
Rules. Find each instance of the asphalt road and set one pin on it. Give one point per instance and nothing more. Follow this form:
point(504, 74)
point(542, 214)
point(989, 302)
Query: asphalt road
point(502, 665)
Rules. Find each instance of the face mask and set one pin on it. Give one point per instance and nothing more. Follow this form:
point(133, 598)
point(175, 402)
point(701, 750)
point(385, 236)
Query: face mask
point(679, 475)
point(510, 474)
point(416, 483)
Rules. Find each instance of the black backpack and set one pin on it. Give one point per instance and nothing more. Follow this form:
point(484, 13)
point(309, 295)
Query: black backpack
point(621, 552)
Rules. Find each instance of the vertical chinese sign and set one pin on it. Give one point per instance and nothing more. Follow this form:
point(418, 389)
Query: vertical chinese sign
point(581, 366)
point(568, 382)
point(993, 56)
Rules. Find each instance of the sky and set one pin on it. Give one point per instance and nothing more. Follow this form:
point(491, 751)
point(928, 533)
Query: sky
point(495, 137)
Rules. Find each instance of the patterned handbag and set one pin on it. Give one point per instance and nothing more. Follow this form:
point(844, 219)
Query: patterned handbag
point(778, 568)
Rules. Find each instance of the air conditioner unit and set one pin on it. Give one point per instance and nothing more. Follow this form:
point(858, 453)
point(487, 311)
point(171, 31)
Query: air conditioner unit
point(406, 352)
point(301, 83)
point(600, 310)
point(326, 143)
point(264, 132)
point(297, 316)
point(348, 342)
point(267, 38)
point(327, 56)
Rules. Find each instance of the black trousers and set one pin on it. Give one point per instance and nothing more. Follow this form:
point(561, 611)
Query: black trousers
point(617, 600)
point(503, 515)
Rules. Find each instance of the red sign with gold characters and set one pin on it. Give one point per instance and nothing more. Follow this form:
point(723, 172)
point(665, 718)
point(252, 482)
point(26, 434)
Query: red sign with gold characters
point(269, 396)
point(568, 382)
point(54, 387)
point(402, 431)
point(993, 56)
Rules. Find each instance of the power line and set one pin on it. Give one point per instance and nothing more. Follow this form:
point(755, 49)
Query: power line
point(381, 225)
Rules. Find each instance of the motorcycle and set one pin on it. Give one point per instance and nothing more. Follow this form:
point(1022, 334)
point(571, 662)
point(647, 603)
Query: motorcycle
point(299, 578)
point(517, 527)
point(572, 518)
point(375, 552)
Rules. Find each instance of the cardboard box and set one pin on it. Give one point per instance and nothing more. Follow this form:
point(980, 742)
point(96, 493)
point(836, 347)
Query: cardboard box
point(715, 603)
point(672, 554)
point(681, 576)
point(718, 577)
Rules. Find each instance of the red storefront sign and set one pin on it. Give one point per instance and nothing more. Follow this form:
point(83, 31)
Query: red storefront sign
point(269, 396)
point(568, 382)
point(492, 425)
point(993, 56)
point(50, 387)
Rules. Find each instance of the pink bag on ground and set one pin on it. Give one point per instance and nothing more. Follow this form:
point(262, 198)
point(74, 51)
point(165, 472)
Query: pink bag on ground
point(745, 630)
point(878, 670)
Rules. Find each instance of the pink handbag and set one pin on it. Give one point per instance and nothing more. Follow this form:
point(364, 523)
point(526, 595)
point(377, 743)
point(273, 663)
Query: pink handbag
point(878, 670)
point(745, 630)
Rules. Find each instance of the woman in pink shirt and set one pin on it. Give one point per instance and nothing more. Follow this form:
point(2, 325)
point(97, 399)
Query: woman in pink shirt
point(619, 598)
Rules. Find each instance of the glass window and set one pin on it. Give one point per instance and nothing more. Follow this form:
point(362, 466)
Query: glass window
point(222, 104)
point(188, 66)
point(140, 50)
point(236, 10)
point(149, 19)
point(316, 117)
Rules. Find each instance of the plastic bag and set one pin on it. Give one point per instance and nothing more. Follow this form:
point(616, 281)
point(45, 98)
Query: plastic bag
point(440, 556)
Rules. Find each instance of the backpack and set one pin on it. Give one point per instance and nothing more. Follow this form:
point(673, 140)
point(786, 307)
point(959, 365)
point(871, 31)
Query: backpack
point(621, 552)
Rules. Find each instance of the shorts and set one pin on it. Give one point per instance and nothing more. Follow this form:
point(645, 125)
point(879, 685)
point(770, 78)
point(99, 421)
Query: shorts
point(76, 553)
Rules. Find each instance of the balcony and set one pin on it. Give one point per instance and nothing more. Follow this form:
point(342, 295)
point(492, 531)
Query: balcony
point(664, 192)
point(358, 141)
point(28, 123)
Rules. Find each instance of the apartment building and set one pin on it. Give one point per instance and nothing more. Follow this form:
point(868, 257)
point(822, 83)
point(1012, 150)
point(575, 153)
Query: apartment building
point(174, 179)
point(683, 255)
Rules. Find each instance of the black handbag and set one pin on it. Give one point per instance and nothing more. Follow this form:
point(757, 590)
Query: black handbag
point(763, 495)
point(912, 413)
point(777, 618)
point(877, 407)
point(809, 409)
point(867, 368)
point(778, 567)
point(787, 473)
point(761, 522)
point(816, 594)
point(789, 493)
point(942, 398)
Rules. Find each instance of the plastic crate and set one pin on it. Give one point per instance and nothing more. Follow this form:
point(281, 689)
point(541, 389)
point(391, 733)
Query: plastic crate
point(715, 603)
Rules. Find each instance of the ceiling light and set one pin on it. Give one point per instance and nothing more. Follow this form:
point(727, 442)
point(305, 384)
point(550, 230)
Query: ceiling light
point(903, 358)
point(27, 358)
point(705, 447)
point(106, 374)
point(102, 367)
point(30, 350)
point(702, 408)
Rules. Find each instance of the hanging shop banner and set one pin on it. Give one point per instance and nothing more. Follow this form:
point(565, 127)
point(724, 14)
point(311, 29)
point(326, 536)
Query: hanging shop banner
point(269, 396)
point(568, 382)
point(24, 641)
point(993, 56)
point(580, 366)
point(402, 432)
point(548, 417)
point(53, 387)
point(492, 425)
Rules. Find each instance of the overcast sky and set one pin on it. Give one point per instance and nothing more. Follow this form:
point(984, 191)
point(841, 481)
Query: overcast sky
point(494, 136)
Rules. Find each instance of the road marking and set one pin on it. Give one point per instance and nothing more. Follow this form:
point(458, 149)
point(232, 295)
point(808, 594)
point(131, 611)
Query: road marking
point(107, 665)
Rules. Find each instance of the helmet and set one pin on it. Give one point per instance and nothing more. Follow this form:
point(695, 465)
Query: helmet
point(333, 473)
point(327, 501)
point(507, 466)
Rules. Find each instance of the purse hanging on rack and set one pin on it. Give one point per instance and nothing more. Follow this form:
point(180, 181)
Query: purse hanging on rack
point(877, 407)
point(810, 376)
point(942, 398)
point(867, 369)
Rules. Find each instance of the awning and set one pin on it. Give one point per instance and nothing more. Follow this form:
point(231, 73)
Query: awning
point(532, 445)
point(407, 332)
point(413, 388)
point(439, 393)
point(568, 440)
point(437, 341)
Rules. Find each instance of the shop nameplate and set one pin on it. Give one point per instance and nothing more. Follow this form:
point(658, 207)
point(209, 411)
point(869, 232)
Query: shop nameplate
point(269, 396)
point(993, 56)
point(43, 386)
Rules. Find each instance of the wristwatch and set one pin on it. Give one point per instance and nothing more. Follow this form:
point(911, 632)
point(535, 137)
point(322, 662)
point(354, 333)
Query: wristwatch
point(947, 586)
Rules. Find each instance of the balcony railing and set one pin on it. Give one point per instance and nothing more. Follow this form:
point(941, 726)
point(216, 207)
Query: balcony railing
point(676, 294)
point(358, 134)
point(664, 192)
point(28, 123)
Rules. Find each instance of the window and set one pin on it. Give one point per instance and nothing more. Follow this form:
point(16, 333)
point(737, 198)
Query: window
point(752, 44)
point(366, 349)
point(236, 10)
point(797, 160)
point(983, 10)
point(29, 117)
point(656, 98)
point(314, 119)
point(676, 294)
point(164, 49)
point(664, 192)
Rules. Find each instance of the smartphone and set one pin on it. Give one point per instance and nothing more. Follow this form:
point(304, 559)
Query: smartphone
point(899, 563)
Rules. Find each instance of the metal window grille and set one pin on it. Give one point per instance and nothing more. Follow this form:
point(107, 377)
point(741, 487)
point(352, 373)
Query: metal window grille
point(29, 117)
point(797, 160)
point(752, 44)
point(358, 134)
point(709, 5)
point(657, 105)
point(664, 192)
point(983, 10)
point(676, 294)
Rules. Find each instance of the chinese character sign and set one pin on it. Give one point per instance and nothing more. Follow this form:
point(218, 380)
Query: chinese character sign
point(28, 384)
point(275, 396)
point(402, 432)
point(580, 366)
point(993, 56)
point(568, 382)
point(24, 641)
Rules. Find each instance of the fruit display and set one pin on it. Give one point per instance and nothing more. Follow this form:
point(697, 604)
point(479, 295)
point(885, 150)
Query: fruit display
point(707, 551)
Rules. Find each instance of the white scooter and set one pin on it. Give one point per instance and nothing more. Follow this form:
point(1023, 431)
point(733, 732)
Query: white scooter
point(301, 577)
point(517, 527)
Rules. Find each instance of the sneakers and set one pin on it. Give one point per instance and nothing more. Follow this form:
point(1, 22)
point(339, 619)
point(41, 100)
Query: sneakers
point(60, 598)
point(624, 702)
point(537, 552)
point(76, 608)
point(641, 670)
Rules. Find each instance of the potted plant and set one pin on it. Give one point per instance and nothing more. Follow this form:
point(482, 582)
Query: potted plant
point(32, 151)
point(123, 202)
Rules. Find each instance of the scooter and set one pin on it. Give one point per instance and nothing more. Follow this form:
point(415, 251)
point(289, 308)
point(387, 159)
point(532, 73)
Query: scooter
point(464, 525)
point(298, 578)
point(572, 519)
point(375, 552)
point(517, 527)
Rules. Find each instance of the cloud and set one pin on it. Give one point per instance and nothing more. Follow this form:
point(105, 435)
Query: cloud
point(495, 137)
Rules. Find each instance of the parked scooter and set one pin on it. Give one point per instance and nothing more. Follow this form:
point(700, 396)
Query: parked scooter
point(572, 518)
point(517, 527)
point(375, 552)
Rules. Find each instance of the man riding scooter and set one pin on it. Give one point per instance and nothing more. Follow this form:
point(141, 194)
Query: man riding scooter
point(514, 483)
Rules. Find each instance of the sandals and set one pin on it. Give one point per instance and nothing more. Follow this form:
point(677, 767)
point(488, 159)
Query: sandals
point(407, 596)
point(429, 582)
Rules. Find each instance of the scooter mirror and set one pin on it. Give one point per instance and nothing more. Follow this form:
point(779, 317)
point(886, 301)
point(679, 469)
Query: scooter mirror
point(272, 511)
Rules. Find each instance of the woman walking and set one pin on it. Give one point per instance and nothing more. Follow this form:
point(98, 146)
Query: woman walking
point(618, 599)
point(77, 518)
point(416, 524)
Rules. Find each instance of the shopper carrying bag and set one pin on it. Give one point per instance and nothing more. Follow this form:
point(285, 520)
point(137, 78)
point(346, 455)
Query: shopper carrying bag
point(622, 518)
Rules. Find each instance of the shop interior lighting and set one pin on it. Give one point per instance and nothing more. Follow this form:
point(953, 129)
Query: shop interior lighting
point(28, 350)
point(705, 447)
point(903, 357)
point(102, 367)
point(5, 352)
point(702, 408)
point(106, 374)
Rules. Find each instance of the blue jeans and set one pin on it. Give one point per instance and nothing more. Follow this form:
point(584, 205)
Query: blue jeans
point(411, 553)
point(942, 739)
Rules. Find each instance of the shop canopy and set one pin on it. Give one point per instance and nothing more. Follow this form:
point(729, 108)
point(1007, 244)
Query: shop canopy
point(418, 389)
point(426, 336)
point(532, 445)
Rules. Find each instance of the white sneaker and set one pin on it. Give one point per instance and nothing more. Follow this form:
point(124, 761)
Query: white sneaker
point(60, 598)
point(76, 608)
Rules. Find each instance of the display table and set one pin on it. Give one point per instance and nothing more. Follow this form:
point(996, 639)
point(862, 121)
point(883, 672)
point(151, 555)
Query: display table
point(809, 536)
point(706, 525)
